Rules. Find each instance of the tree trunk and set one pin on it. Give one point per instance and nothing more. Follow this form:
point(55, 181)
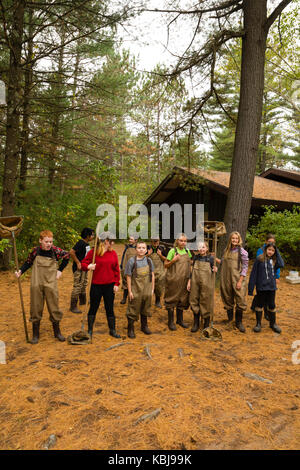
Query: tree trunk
point(249, 117)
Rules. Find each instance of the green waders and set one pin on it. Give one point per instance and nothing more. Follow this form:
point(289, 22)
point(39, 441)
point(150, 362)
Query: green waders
point(201, 293)
point(176, 293)
point(159, 273)
point(141, 287)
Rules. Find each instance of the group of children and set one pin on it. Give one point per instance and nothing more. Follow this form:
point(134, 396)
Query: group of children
point(186, 280)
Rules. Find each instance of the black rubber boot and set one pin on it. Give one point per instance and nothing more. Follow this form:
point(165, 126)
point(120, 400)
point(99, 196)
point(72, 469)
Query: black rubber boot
point(257, 328)
point(35, 332)
point(157, 302)
point(130, 333)
point(73, 306)
point(272, 316)
point(57, 333)
point(144, 325)
point(196, 324)
point(125, 294)
point(206, 322)
point(266, 314)
point(179, 318)
point(230, 314)
point(112, 327)
point(171, 323)
point(239, 319)
point(82, 299)
point(91, 321)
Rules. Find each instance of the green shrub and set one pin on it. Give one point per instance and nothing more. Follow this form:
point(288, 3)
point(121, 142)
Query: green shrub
point(285, 226)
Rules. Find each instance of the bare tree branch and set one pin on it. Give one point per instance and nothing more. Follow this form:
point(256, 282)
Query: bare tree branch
point(276, 13)
point(223, 6)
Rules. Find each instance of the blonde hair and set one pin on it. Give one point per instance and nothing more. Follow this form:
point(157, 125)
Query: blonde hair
point(228, 246)
point(179, 236)
point(99, 247)
point(203, 243)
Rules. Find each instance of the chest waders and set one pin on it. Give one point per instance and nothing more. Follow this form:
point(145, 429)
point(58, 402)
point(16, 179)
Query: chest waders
point(130, 252)
point(141, 287)
point(201, 294)
point(176, 293)
point(159, 273)
point(44, 287)
point(231, 296)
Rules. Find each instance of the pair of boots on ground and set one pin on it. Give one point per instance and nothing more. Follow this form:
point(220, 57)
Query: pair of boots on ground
point(144, 326)
point(179, 319)
point(111, 321)
point(36, 332)
point(196, 324)
point(74, 300)
point(257, 328)
point(125, 295)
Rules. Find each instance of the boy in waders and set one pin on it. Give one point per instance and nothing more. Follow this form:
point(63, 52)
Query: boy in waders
point(156, 253)
point(140, 280)
point(77, 253)
point(201, 287)
point(234, 267)
point(129, 252)
point(178, 264)
point(44, 262)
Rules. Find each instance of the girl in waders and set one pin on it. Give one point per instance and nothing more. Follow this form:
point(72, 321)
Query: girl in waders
point(201, 287)
point(45, 273)
point(129, 252)
point(140, 280)
point(157, 255)
point(263, 277)
point(178, 264)
point(234, 267)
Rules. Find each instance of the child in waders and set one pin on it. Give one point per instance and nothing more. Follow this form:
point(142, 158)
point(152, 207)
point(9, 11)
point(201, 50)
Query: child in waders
point(77, 253)
point(140, 280)
point(263, 277)
point(178, 264)
point(157, 254)
point(234, 267)
point(270, 238)
point(129, 252)
point(201, 287)
point(44, 262)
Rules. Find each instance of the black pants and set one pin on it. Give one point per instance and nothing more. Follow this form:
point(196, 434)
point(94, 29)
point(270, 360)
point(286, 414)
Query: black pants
point(266, 298)
point(107, 292)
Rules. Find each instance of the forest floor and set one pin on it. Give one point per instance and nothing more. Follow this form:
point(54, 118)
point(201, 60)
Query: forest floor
point(202, 391)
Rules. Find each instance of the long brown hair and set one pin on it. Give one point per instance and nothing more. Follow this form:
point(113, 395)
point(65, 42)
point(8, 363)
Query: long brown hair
point(263, 257)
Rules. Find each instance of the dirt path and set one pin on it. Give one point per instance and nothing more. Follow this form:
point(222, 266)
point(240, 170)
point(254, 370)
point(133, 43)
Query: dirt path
point(91, 397)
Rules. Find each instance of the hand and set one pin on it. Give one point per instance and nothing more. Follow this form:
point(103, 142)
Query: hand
point(150, 251)
point(78, 265)
point(188, 287)
point(159, 252)
point(176, 258)
point(215, 269)
point(18, 273)
point(277, 282)
point(239, 285)
point(92, 267)
point(116, 288)
point(130, 295)
point(58, 274)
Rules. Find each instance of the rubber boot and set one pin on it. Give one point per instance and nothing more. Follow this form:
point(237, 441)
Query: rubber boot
point(35, 332)
point(171, 323)
point(112, 327)
point(144, 325)
point(266, 314)
point(206, 322)
point(272, 316)
point(157, 302)
point(179, 318)
point(73, 306)
point(91, 321)
point(230, 314)
point(125, 294)
point(57, 333)
point(196, 324)
point(130, 333)
point(257, 328)
point(239, 319)
point(82, 299)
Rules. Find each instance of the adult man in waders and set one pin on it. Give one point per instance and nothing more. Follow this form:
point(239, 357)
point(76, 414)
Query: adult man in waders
point(140, 281)
point(44, 262)
point(156, 253)
point(128, 253)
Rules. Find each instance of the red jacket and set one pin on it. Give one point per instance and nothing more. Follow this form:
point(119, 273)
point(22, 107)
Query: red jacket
point(107, 269)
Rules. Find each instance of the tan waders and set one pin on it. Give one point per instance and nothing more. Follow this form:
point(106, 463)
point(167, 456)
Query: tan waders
point(141, 286)
point(44, 287)
point(176, 293)
point(230, 275)
point(159, 273)
point(130, 252)
point(201, 293)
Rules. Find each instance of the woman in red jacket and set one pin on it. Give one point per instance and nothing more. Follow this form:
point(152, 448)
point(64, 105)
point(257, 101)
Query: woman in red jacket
point(105, 281)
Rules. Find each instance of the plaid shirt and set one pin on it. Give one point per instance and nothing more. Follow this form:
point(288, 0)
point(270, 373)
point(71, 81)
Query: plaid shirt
point(54, 252)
